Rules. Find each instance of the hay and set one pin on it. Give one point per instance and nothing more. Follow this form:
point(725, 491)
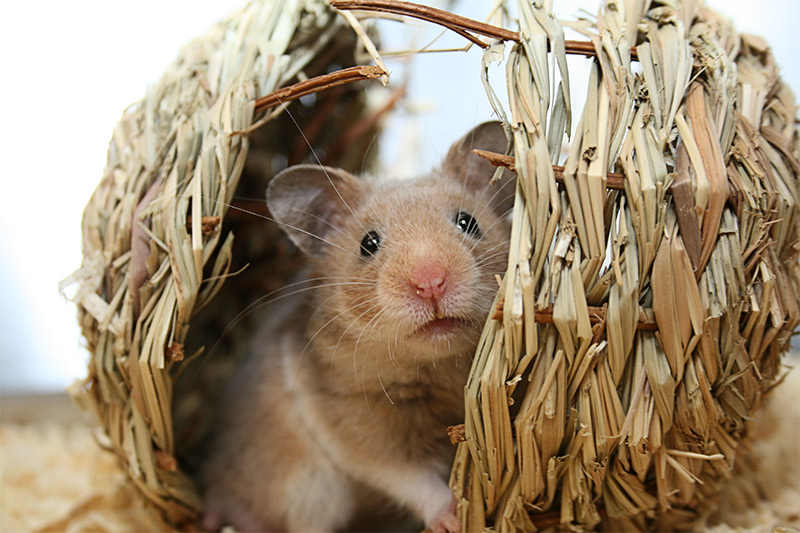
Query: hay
point(580, 424)
point(638, 326)
point(176, 157)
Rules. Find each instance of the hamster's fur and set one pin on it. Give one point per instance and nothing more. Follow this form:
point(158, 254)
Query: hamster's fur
point(344, 400)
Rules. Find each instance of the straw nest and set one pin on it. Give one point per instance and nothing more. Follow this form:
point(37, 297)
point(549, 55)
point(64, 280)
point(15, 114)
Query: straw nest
point(652, 280)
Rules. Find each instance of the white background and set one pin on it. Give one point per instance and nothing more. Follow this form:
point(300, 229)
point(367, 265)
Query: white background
point(68, 71)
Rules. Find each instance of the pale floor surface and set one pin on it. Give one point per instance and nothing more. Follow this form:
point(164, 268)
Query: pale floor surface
point(54, 476)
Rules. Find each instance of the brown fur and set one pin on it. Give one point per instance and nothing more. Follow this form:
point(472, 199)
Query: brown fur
point(346, 399)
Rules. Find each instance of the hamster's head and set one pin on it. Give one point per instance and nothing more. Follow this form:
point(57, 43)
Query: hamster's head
point(406, 266)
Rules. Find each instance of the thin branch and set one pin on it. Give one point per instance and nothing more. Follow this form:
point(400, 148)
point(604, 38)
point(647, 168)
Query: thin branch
point(318, 83)
point(597, 315)
point(460, 25)
point(429, 14)
point(614, 179)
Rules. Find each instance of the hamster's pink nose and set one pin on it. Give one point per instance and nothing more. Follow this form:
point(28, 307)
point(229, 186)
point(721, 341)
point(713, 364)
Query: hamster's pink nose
point(428, 279)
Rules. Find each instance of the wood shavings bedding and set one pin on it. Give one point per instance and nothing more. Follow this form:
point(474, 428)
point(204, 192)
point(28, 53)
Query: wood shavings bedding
point(55, 477)
point(764, 492)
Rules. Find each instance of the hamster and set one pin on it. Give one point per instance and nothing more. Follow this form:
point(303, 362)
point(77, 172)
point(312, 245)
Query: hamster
point(342, 406)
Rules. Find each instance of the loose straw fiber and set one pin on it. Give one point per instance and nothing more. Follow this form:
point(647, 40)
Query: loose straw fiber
point(638, 325)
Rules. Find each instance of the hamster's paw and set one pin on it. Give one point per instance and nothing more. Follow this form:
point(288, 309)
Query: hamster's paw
point(219, 513)
point(211, 520)
point(446, 521)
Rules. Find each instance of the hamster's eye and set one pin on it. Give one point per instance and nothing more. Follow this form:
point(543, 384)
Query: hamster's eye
point(370, 243)
point(467, 224)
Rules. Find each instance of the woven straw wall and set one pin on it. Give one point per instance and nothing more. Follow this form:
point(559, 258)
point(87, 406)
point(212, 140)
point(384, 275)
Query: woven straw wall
point(641, 321)
point(159, 232)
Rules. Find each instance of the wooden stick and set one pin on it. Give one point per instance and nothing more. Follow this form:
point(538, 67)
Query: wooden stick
point(429, 14)
point(597, 315)
point(615, 180)
point(318, 83)
point(461, 25)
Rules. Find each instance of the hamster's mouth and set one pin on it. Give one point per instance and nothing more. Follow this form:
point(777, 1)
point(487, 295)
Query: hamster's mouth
point(441, 327)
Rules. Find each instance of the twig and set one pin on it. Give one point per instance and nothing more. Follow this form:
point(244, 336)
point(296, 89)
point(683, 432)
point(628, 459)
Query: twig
point(597, 315)
point(450, 21)
point(614, 179)
point(456, 23)
point(318, 83)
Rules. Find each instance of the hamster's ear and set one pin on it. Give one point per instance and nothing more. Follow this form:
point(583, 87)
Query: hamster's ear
point(475, 172)
point(310, 202)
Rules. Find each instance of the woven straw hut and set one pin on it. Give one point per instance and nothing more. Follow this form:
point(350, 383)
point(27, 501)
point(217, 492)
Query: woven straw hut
point(652, 282)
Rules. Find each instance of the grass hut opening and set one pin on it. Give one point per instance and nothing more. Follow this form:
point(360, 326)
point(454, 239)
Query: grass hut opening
point(652, 278)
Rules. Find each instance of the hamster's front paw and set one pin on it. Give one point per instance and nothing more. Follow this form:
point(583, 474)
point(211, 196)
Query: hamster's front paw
point(446, 521)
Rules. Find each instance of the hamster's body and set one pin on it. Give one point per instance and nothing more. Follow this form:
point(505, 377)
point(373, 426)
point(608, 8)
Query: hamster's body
point(346, 397)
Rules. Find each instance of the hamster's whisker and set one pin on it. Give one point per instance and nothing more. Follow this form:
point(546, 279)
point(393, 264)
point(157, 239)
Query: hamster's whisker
point(312, 341)
point(364, 365)
point(331, 322)
point(334, 228)
point(396, 337)
point(270, 219)
point(318, 237)
point(370, 326)
point(319, 162)
point(273, 297)
point(383, 387)
point(347, 329)
point(491, 256)
point(375, 137)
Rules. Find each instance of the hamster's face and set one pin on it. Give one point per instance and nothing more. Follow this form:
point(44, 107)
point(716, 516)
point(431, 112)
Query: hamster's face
point(413, 268)
point(405, 268)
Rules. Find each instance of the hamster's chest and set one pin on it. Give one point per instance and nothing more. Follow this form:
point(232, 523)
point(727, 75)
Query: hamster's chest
point(409, 393)
point(405, 421)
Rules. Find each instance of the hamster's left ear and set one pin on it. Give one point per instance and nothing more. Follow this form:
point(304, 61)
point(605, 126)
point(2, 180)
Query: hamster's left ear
point(475, 172)
point(310, 202)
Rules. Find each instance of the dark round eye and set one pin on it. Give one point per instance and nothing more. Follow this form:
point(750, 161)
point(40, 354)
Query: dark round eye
point(467, 224)
point(370, 243)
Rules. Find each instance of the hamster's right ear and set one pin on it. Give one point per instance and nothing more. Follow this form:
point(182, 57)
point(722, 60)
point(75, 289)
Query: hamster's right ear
point(310, 202)
point(475, 172)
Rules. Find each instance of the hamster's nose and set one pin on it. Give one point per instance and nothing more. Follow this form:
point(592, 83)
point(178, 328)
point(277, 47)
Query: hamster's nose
point(428, 279)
